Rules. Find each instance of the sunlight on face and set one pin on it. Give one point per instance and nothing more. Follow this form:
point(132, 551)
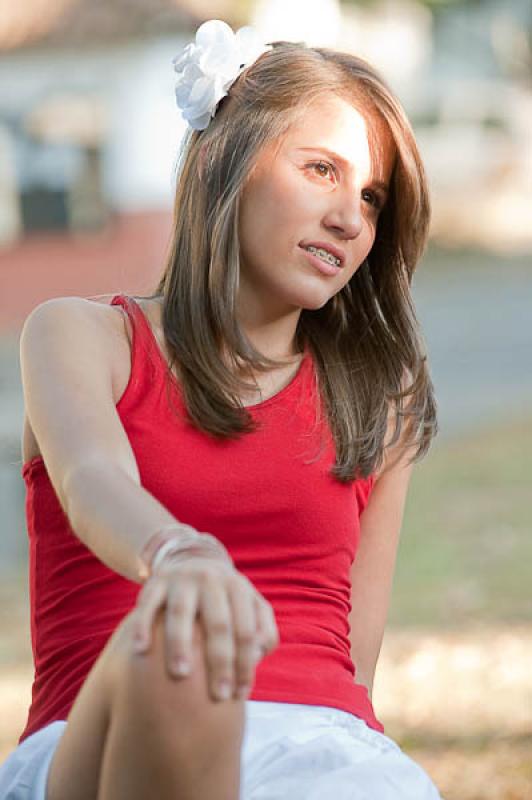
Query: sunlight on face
point(324, 181)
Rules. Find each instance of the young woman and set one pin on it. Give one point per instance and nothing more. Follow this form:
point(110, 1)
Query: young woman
point(197, 461)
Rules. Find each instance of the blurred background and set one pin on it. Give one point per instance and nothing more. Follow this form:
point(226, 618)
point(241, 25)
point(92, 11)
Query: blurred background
point(89, 133)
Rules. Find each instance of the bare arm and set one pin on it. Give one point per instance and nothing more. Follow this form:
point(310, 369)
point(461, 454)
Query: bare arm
point(374, 566)
point(66, 364)
point(67, 349)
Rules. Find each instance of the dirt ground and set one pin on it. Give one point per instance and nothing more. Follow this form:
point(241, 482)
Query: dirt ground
point(459, 703)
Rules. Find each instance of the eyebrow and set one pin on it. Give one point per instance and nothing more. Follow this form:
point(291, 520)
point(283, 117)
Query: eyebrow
point(336, 156)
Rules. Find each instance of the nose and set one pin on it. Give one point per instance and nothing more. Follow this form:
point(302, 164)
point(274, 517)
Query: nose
point(345, 215)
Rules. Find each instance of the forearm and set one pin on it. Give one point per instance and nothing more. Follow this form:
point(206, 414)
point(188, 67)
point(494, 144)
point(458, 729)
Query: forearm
point(366, 635)
point(365, 679)
point(113, 515)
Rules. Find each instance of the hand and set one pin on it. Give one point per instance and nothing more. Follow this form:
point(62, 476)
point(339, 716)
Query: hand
point(238, 622)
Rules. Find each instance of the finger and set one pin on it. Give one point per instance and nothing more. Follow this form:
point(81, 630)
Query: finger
point(181, 611)
point(215, 613)
point(268, 635)
point(245, 636)
point(151, 598)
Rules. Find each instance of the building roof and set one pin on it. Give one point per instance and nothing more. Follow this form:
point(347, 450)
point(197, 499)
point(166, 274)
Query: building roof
point(71, 23)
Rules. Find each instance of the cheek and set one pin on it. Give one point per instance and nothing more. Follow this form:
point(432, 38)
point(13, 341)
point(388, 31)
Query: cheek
point(365, 243)
point(268, 212)
point(253, 226)
point(372, 232)
point(366, 240)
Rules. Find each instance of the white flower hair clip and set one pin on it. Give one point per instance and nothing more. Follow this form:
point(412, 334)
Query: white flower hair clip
point(207, 68)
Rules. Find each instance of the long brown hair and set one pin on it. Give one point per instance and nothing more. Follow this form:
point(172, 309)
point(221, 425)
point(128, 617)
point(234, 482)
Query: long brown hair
point(366, 342)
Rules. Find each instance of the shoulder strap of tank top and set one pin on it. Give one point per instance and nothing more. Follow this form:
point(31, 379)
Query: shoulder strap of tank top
point(143, 339)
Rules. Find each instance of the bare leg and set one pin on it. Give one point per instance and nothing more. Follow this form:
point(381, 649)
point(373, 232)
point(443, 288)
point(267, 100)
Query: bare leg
point(135, 732)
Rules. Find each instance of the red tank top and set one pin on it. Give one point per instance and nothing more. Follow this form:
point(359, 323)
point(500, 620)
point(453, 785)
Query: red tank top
point(289, 526)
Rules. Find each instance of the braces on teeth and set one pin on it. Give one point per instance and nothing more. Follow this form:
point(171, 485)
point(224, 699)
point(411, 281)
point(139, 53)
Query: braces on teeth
point(324, 255)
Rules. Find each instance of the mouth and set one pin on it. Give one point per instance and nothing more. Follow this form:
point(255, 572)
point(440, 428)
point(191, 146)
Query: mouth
point(322, 265)
point(329, 254)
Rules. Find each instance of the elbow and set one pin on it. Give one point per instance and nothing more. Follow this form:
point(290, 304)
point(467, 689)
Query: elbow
point(77, 483)
point(88, 484)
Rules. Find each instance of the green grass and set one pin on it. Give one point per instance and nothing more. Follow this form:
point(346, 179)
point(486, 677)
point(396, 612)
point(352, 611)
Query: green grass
point(466, 546)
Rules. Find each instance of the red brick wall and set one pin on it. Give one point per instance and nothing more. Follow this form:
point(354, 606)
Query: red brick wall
point(127, 256)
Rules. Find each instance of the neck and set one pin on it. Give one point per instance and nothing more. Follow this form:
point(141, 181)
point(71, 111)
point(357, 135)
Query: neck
point(274, 337)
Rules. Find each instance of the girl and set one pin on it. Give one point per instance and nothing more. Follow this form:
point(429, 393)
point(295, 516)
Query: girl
point(197, 461)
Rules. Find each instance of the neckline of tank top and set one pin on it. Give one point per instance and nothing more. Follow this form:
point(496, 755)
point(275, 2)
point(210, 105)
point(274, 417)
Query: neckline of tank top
point(294, 381)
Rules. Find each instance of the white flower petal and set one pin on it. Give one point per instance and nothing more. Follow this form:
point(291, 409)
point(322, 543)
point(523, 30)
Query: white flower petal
point(219, 61)
point(198, 123)
point(214, 32)
point(192, 72)
point(202, 94)
point(205, 70)
point(182, 93)
point(205, 95)
point(182, 58)
point(181, 55)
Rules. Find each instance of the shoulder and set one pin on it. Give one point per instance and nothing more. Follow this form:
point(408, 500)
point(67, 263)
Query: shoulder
point(73, 312)
point(91, 327)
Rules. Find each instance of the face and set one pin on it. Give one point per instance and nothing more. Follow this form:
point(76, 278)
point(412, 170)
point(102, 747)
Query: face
point(324, 182)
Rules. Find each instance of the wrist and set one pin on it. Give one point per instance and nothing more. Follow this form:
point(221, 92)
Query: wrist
point(172, 532)
point(176, 555)
point(173, 540)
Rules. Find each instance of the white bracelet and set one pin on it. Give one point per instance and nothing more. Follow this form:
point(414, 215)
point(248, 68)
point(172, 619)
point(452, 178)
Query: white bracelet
point(173, 546)
point(186, 540)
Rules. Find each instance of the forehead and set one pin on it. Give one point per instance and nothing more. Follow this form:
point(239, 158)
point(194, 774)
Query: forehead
point(358, 134)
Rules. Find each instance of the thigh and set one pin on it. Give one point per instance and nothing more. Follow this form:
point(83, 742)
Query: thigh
point(75, 767)
point(119, 677)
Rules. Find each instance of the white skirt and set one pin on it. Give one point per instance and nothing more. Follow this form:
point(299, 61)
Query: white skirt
point(289, 750)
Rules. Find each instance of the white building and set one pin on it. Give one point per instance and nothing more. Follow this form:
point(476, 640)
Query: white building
point(88, 122)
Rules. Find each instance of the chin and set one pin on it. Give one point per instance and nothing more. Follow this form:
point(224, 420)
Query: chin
point(315, 306)
point(314, 298)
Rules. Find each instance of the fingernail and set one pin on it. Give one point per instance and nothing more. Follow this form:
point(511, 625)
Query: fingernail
point(181, 667)
point(223, 691)
point(242, 692)
point(139, 643)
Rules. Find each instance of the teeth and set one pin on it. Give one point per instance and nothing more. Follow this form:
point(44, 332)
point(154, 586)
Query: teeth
point(324, 255)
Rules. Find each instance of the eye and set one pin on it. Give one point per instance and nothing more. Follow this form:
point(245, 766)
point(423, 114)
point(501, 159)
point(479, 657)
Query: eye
point(372, 198)
point(325, 165)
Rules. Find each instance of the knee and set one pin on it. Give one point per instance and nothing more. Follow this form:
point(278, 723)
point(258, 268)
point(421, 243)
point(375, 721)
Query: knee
point(177, 712)
point(146, 676)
